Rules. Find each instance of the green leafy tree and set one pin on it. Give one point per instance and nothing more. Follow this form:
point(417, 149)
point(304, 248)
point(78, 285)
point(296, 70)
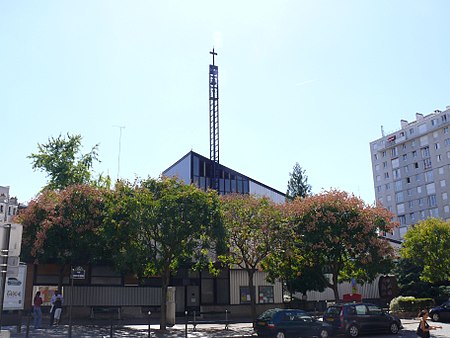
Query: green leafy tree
point(62, 160)
point(427, 246)
point(250, 223)
point(298, 183)
point(167, 225)
point(62, 227)
point(340, 233)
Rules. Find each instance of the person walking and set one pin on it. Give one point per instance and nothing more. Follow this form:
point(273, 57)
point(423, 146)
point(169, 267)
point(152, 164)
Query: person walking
point(423, 330)
point(37, 311)
point(57, 309)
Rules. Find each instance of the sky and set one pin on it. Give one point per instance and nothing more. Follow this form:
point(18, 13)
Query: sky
point(299, 81)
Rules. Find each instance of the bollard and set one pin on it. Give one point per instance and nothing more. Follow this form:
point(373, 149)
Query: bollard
point(27, 334)
point(186, 324)
point(111, 331)
point(226, 319)
point(149, 327)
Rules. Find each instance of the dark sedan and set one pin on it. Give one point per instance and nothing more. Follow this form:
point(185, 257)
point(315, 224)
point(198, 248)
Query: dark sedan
point(283, 323)
point(440, 313)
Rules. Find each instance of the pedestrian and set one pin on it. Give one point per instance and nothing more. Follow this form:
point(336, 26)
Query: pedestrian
point(423, 330)
point(37, 311)
point(52, 306)
point(57, 309)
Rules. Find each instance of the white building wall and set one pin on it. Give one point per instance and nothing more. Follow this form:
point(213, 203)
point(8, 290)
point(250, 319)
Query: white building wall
point(239, 278)
point(368, 290)
point(259, 190)
point(181, 170)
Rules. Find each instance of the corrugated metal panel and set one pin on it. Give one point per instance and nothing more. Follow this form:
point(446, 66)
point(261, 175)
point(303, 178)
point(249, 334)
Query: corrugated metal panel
point(112, 296)
point(367, 290)
point(239, 278)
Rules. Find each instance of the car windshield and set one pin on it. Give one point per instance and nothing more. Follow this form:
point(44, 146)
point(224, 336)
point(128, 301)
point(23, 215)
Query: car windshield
point(333, 310)
point(267, 314)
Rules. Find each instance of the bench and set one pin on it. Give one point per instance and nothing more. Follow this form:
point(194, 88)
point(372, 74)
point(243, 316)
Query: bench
point(106, 311)
point(224, 320)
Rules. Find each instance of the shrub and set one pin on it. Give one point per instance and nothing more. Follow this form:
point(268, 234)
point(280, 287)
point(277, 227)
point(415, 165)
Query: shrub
point(410, 304)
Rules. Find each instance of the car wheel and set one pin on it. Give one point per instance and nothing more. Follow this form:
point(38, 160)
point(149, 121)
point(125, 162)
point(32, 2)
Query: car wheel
point(394, 328)
point(353, 331)
point(435, 317)
point(323, 334)
point(280, 334)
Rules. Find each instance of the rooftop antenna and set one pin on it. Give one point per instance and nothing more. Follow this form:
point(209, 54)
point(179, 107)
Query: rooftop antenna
point(120, 147)
point(382, 131)
point(214, 120)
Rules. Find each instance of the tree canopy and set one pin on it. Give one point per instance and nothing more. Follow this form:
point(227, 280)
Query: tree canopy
point(62, 160)
point(250, 223)
point(339, 234)
point(298, 183)
point(168, 225)
point(427, 246)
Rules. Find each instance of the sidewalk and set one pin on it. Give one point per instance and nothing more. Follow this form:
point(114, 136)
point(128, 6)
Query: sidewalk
point(129, 331)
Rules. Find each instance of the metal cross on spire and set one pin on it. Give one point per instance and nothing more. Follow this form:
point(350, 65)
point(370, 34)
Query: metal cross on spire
point(213, 53)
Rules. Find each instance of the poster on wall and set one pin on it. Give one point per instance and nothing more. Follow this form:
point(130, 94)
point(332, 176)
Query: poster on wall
point(46, 293)
point(15, 290)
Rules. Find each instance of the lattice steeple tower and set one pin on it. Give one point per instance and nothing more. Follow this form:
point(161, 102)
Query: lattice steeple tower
point(213, 111)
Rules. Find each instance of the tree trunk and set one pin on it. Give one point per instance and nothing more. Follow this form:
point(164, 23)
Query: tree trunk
point(165, 284)
point(335, 287)
point(251, 288)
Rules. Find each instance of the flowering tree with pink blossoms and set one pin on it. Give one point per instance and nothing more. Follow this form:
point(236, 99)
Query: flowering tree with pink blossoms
point(339, 233)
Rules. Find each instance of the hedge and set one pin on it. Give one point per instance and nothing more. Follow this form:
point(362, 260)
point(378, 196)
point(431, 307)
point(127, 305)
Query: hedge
point(410, 304)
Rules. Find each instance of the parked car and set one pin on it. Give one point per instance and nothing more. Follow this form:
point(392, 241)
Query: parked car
point(355, 318)
point(283, 323)
point(440, 313)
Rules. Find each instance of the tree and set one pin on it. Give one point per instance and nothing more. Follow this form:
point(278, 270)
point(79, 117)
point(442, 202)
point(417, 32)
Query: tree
point(61, 159)
point(427, 246)
point(340, 233)
point(298, 183)
point(250, 222)
point(168, 225)
point(62, 227)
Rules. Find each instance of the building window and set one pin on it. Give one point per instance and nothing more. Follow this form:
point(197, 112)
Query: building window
point(427, 163)
point(402, 219)
point(399, 197)
point(387, 186)
point(398, 185)
point(394, 151)
point(405, 157)
point(433, 122)
point(429, 176)
point(432, 200)
point(414, 153)
point(400, 208)
point(446, 129)
point(388, 198)
point(379, 188)
point(442, 182)
point(446, 209)
point(412, 217)
point(434, 212)
point(411, 204)
point(385, 164)
point(375, 156)
point(437, 146)
point(396, 173)
point(386, 175)
point(383, 154)
point(419, 190)
point(420, 202)
point(409, 192)
point(411, 131)
point(408, 180)
point(444, 196)
point(444, 118)
point(377, 167)
point(266, 295)
point(438, 158)
point(416, 165)
point(425, 152)
point(441, 171)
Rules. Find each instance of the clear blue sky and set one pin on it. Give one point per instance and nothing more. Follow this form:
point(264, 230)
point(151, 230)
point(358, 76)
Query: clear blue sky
point(300, 81)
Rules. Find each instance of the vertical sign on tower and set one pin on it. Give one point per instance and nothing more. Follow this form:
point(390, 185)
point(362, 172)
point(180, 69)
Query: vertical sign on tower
point(214, 121)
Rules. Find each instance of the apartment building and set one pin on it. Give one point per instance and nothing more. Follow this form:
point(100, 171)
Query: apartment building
point(8, 205)
point(411, 170)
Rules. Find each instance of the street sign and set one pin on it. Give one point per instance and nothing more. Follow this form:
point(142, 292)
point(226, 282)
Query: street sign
point(15, 240)
point(78, 273)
